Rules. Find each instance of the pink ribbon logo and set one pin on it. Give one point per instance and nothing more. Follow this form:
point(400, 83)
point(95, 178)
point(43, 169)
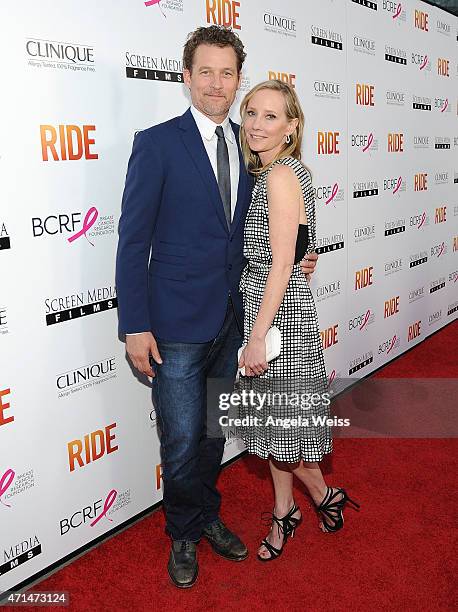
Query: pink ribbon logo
point(5, 482)
point(425, 61)
point(445, 105)
point(369, 142)
point(153, 2)
point(398, 11)
point(442, 249)
point(366, 319)
point(335, 189)
point(423, 219)
point(398, 185)
point(331, 377)
point(89, 220)
point(107, 505)
point(392, 343)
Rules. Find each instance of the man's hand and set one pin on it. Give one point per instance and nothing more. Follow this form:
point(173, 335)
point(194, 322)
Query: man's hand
point(308, 264)
point(139, 347)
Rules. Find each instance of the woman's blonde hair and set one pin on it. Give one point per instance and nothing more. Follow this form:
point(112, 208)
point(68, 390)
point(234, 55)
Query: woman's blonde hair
point(293, 110)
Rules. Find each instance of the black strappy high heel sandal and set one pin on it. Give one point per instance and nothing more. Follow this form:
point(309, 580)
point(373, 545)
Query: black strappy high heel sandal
point(332, 510)
point(286, 525)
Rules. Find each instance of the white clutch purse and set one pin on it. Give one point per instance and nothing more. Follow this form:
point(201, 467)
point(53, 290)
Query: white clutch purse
point(273, 347)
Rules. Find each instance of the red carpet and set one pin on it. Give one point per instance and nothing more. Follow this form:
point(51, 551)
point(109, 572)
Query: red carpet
point(396, 553)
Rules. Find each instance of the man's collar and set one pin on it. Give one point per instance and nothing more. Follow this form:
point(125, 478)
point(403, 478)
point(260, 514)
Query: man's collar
point(207, 127)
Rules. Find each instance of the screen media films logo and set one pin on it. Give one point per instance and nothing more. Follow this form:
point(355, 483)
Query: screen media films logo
point(150, 68)
point(78, 305)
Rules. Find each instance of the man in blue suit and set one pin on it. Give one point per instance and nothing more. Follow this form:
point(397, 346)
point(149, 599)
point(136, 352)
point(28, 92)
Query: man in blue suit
point(179, 261)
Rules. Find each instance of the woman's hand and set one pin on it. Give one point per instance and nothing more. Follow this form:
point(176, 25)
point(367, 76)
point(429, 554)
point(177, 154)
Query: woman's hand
point(253, 357)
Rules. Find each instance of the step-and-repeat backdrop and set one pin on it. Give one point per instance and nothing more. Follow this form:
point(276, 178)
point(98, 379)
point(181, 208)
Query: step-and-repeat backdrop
point(79, 451)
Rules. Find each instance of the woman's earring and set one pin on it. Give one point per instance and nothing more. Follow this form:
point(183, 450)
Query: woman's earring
point(288, 139)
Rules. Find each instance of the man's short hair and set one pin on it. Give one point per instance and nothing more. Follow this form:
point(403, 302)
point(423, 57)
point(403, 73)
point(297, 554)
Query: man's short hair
point(212, 35)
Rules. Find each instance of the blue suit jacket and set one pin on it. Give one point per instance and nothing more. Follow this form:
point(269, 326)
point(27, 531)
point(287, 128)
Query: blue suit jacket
point(176, 259)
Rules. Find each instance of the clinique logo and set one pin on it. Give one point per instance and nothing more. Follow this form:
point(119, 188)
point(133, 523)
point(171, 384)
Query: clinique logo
point(78, 305)
point(435, 317)
point(416, 294)
point(441, 178)
point(327, 89)
point(326, 38)
point(395, 98)
point(5, 242)
point(365, 189)
point(365, 232)
point(279, 24)
point(421, 103)
point(393, 266)
point(421, 142)
point(328, 290)
point(153, 68)
point(86, 376)
point(361, 44)
point(395, 55)
point(43, 53)
point(443, 28)
point(19, 553)
point(360, 362)
point(395, 227)
point(330, 243)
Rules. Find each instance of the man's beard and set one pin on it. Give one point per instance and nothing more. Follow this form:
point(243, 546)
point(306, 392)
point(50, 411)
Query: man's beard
point(216, 108)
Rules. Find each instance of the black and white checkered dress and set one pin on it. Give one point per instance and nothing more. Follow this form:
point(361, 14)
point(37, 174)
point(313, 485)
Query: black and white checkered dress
point(300, 367)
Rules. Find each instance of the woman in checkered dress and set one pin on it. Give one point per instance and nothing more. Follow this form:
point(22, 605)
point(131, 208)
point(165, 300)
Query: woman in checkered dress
point(286, 422)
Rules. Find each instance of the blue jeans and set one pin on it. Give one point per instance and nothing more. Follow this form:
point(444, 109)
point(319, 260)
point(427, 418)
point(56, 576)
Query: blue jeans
point(190, 459)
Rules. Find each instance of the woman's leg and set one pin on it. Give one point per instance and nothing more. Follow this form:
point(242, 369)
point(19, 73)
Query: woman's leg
point(283, 486)
point(309, 473)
